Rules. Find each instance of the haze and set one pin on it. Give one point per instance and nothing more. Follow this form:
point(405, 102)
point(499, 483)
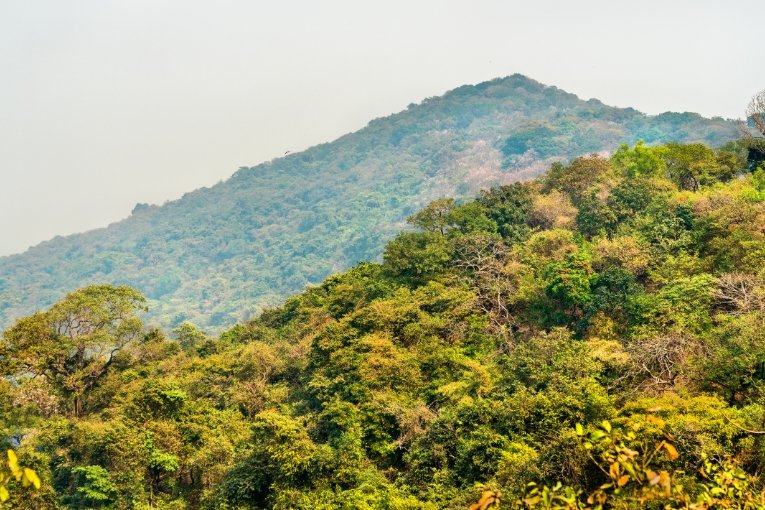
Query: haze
point(104, 104)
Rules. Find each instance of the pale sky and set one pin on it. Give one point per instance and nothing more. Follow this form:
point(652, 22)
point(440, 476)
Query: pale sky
point(104, 104)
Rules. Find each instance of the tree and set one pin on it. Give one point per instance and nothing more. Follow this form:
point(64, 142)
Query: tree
point(417, 256)
point(755, 111)
point(189, 336)
point(72, 344)
point(641, 160)
point(509, 206)
point(434, 217)
point(552, 210)
point(94, 485)
point(483, 259)
point(444, 217)
point(693, 165)
point(594, 216)
point(688, 166)
point(569, 282)
point(755, 145)
point(577, 178)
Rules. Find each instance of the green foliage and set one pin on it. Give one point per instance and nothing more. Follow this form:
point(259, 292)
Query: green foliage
point(72, 344)
point(509, 207)
point(592, 339)
point(95, 485)
point(222, 254)
point(417, 256)
point(635, 475)
point(641, 160)
point(435, 217)
point(569, 283)
point(189, 336)
point(577, 178)
point(689, 166)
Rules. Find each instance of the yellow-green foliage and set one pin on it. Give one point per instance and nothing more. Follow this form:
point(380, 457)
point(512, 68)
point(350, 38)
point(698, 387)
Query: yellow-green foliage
point(591, 339)
point(11, 473)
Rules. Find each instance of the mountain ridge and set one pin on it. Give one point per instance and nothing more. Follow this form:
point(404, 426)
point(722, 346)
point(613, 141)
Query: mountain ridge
point(270, 230)
point(144, 206)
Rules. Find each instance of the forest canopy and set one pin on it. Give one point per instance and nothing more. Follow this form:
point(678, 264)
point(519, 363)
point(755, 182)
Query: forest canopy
point(591, 337)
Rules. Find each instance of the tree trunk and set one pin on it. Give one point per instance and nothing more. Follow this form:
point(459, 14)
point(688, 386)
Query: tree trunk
point(77, 405)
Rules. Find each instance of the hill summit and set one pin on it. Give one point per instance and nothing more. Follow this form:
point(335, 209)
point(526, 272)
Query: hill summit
point(220, 254)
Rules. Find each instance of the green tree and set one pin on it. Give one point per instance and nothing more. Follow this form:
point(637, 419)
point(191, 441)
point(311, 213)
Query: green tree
point(94, 485)
point(417, 256)
point(509, 207)
point(594, 216)
point(641, 160)
point(434, 217)
point(569, 283)
point(577, 178)
point(189, 336)
point(73, 343)
point(691, 166)
point(471, 218)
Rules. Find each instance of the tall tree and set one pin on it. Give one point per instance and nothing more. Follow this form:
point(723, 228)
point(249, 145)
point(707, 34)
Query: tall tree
point(72, 344)
point(755, 113)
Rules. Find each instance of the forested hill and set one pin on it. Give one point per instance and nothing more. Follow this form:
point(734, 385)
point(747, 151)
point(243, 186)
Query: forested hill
point(588, 340)
point(219, 254)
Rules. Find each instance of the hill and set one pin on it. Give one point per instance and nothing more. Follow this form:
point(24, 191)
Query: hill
point(596, 332)
point(220, 254)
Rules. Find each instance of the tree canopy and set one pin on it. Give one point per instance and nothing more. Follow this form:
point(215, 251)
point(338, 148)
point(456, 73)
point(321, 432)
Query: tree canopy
point(589, 339)
point(72, 344)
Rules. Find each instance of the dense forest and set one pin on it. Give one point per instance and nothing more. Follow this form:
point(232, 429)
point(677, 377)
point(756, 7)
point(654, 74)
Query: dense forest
point(592, 338)
point(219, 255)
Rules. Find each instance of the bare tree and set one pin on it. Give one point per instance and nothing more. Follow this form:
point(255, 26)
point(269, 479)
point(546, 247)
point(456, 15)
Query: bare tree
point(484, 259)
point(658, 362)
point(756, 112)
point(754, 143)
point(740, 293)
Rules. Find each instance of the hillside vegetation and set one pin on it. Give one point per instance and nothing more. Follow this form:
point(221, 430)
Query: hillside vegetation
point(219, 255)
point(596, 333)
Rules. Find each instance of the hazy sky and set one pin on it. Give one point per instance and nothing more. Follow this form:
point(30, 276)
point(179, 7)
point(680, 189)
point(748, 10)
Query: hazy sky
point(104, 104)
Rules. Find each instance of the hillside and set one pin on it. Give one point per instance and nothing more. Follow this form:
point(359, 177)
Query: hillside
point(220, 254)
point(596, 332)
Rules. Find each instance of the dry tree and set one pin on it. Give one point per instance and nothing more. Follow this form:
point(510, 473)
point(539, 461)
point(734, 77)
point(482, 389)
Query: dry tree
point(755, 112)
point(659, 362)
point(754, 142)
point(482, 260)
point(740, 293)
